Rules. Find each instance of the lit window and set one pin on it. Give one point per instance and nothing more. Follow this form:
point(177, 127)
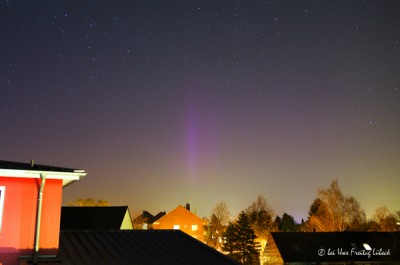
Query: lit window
point(194, 227)
point(176, 227)
point(2, 190)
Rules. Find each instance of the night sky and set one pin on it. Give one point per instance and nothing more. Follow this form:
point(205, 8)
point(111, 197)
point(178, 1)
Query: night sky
point(168, 102)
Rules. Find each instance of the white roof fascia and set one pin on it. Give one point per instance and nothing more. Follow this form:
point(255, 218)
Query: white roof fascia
point(67, 177)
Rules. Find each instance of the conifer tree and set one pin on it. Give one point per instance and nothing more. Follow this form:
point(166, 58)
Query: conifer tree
point(240, 241)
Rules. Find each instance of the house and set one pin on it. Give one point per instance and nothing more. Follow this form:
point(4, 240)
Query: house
point(146, 220)
point(30, 210)
point(30, 205)
point(95, 217)
point(181, 218)
point(332, 247)
point(139, 247)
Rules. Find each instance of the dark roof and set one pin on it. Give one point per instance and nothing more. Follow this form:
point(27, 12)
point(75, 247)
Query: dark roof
point(145, 216)
point(33, 167)
point(343, 246)
point(137, 247)
point(89, 218)
point(158, 216)
point(148, 217)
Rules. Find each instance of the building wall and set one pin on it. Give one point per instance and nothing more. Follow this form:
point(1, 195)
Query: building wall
point(19, 217)
point(183, 218)
point(271, 254)
point(127, 222)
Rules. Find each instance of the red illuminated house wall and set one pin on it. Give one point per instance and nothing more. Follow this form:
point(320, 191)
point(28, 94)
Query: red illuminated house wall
point(19, 217)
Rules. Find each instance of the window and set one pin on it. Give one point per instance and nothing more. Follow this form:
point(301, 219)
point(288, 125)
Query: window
point(195, 227)
point(176, 227)
point(2, 191)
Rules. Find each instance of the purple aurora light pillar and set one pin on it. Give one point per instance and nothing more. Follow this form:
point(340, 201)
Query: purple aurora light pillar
point(192, 138)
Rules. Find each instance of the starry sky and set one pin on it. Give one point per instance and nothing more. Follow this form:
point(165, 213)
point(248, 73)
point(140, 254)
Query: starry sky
point(168, 102)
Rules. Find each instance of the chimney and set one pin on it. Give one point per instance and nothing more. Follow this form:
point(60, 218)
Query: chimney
point(188, 206)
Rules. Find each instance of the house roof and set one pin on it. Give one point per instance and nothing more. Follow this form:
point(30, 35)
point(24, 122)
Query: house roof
point(158, 216)
point(338, 246)
point(147, 217)
point(136, 247)
point(92, 217)
point(32, 170)
point(177, 214)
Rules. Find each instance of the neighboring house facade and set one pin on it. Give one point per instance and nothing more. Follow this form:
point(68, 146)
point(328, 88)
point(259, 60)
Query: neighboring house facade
point(30, 205)
point(332, 248)
point(95, 217)
point(181, 218)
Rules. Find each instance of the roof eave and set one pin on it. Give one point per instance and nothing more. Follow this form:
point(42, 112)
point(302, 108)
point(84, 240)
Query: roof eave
point(67, 177)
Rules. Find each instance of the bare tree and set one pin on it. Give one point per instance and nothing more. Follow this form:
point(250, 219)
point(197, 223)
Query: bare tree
point(221, 212)
point(385, 219)
point(89, 202)
point(219, 217)
point(260, 216)
point(335, 212)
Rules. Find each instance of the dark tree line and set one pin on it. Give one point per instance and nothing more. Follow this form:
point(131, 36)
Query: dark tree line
point(330, 211)
point(89, 202)
point(333, 211)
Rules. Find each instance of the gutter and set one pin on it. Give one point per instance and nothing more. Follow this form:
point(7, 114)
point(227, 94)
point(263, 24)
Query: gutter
point(38, 219)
